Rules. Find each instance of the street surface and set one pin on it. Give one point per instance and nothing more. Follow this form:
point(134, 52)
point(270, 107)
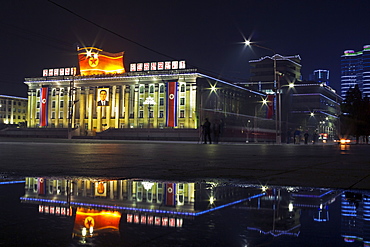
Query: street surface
point(330, 165)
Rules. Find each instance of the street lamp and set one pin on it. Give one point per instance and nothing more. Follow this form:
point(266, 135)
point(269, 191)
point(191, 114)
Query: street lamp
point(277, 92)
point(149, 101)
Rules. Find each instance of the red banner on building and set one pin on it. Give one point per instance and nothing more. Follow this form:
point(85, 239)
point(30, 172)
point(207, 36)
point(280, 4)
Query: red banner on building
point(170, 194)
point(41, 186)
point(44, 93)
point(171, 108)
point(270, 106)
point(94, 61)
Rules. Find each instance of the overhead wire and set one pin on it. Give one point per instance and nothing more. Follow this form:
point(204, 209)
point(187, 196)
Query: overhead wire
point(125, 38)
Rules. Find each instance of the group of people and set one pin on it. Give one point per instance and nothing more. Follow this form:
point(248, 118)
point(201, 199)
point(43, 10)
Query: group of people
point(297, 137)
point(208, 129)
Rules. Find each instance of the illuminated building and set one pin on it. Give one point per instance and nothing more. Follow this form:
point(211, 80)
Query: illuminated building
point(151, 95)
point(313, 107)
point(305, 105)
point(321, 76)
point(355, 70)
point(13, 110)
point(262, 74)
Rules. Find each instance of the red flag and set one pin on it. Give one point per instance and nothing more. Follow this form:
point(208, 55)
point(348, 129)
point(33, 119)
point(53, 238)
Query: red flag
point(94, 61)
point(270, 106)
point(171, 104)
point(170, 194)
point(44, 106)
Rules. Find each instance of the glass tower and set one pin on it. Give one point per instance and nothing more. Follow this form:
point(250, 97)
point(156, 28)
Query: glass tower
point(355, 70)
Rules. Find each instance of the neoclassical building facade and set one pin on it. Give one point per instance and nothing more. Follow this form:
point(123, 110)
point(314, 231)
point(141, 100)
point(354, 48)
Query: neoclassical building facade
point(150, 95)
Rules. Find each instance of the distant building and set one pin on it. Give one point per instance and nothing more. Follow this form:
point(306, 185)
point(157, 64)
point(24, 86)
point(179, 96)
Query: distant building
point(305, 106)
point(262, 74)
point(355, 70)
point(321, 76)
point(13, 110)
point(312, 107)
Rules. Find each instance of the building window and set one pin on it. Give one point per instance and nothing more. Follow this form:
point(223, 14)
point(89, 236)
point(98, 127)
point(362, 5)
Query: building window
point(141, 114)
point(160, 114)
point(53, 92)
point(61, 92)
point(141, 89)
point(37, 115)
point(182, 113)
point(61, 115)
point(161, 89)
point(161, 101)
point(151, 114)
point(53, 114)
point(61, 104)
point(53, 104)
point(38, 104)
point(141, 101)
point(182, 101)
point(151, 89)
point(38, 93)
point(182, 89)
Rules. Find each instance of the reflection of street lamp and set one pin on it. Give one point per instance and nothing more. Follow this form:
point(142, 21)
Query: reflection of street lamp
point(149, 101)
point(277, 92)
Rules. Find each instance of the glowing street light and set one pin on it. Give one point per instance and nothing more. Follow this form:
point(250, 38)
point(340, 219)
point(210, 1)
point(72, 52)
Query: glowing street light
point(277, 92)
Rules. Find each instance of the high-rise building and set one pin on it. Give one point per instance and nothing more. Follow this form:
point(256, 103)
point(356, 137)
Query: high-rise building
point(355, 70)
point(321, 76)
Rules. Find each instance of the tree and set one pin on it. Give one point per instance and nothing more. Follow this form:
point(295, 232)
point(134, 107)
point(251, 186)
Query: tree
point(355, 114)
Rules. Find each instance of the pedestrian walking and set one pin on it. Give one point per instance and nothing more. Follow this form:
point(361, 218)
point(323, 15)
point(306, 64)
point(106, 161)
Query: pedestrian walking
point(207, 131)
point(314, 137)
point(306, 135)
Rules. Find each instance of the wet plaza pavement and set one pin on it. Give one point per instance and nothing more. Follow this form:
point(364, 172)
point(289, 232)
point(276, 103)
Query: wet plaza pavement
point(129, 193)
point(331, 166)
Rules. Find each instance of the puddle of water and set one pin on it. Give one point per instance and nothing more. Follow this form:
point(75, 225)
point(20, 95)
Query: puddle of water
point(52, 211)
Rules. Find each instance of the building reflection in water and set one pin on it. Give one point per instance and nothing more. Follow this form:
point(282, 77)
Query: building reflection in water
point(101, 206)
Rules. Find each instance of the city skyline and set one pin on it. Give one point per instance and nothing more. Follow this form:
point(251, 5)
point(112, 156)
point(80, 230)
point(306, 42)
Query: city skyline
point(45, 34)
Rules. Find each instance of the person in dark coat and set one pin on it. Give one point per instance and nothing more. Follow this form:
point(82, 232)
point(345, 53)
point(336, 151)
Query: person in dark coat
point(306, 138)
point(207, 131)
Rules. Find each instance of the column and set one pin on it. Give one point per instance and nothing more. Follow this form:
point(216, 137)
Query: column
point(82, 103)
point(126, 105)
point(116, 108)
point(90, 110)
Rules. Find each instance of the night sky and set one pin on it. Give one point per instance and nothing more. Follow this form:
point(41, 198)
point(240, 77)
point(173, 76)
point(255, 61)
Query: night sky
point(40, 34)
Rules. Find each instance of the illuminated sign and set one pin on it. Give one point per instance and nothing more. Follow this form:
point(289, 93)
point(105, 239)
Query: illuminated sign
point(56, 210)
point(96, 220)
point(95, 61)
point(59, 71)
point(152, 66)
point(154, 220)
